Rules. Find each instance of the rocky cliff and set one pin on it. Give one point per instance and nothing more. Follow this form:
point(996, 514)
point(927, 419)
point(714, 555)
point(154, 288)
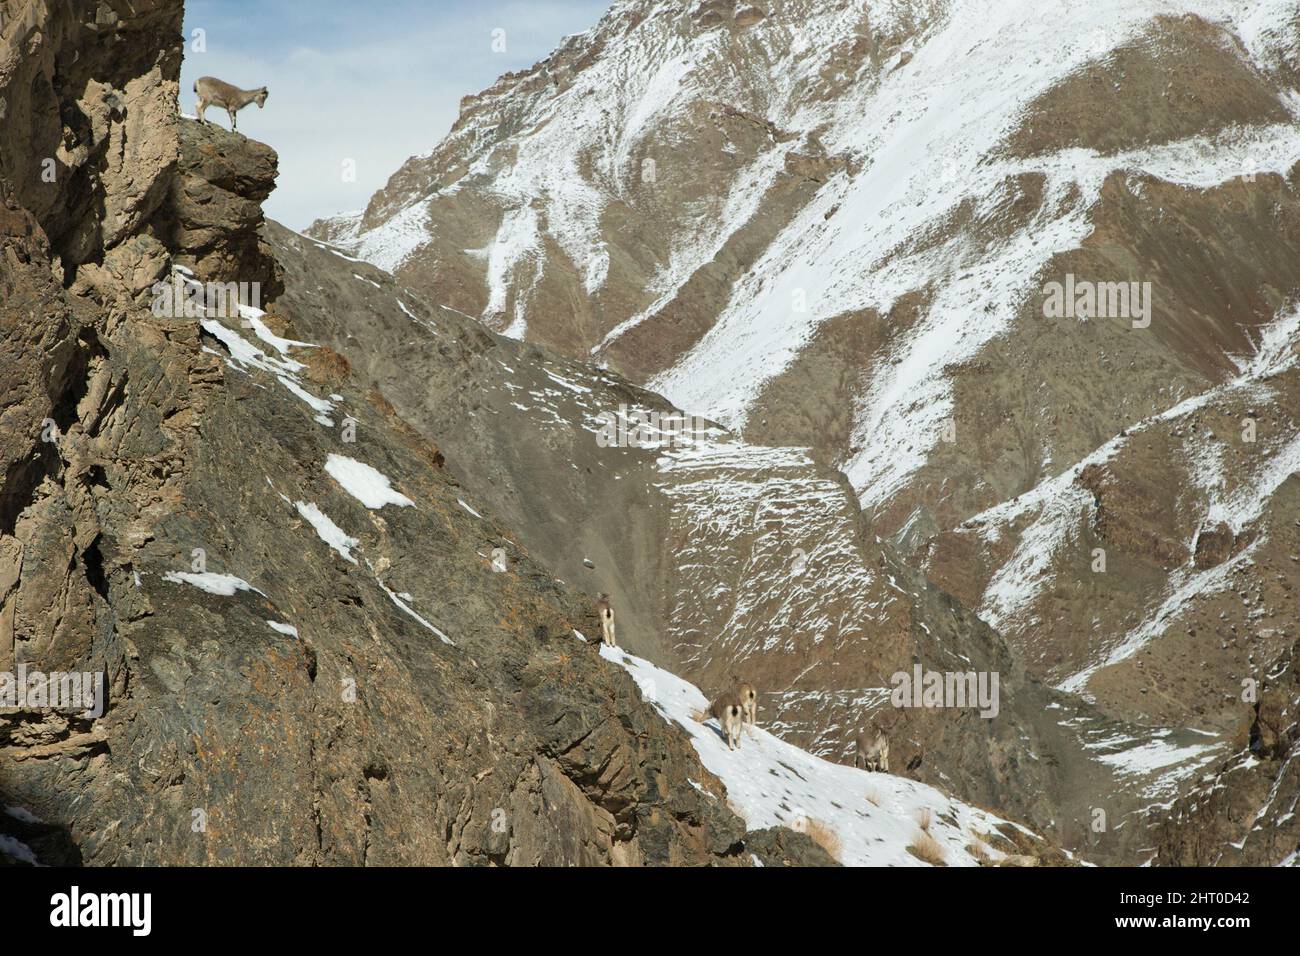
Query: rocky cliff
point(308, 655)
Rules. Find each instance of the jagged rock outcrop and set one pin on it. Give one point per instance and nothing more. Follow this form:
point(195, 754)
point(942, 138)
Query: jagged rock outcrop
point(213, 214)
point(90, 117)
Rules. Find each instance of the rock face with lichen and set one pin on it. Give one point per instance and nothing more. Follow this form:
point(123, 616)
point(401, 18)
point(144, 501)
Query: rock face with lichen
point(302, 666)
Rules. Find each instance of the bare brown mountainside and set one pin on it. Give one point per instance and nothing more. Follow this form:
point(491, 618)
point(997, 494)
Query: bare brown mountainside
point(836, 227)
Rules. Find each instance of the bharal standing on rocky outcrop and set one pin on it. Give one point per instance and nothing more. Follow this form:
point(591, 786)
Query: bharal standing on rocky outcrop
point(214, 92)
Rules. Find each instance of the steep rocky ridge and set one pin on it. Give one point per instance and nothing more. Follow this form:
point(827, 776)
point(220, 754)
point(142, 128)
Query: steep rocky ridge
point(296, 673)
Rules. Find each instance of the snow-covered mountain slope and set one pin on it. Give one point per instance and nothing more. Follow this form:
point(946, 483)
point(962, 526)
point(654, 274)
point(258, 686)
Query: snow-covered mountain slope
point(720, 556)
point(863, 819)
point(834, 226)
point(939, 138)
point(726, 559)
point(1102, 547)
point(704, 196)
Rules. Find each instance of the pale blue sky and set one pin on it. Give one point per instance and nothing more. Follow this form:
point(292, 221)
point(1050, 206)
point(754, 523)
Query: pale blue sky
point(374, 81)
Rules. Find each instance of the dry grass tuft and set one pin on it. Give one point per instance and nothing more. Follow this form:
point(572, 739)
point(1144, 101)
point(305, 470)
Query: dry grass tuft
point(825, 837)
point(924, 818)
point(927, 849)
point(980, 852)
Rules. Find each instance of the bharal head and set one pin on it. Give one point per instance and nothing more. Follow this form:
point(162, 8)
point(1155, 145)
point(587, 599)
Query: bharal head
point(261, 98)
